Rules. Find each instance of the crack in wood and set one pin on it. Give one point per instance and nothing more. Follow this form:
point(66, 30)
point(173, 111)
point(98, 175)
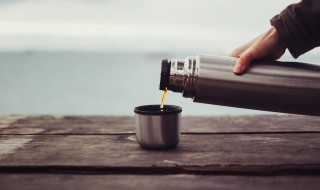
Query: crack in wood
point(184, 133)
point(257, 170)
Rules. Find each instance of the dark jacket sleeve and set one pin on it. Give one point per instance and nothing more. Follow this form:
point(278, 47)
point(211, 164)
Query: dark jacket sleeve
point(299, 26)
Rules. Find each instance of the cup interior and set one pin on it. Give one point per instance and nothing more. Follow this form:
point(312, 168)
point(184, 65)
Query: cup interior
point(155, 109)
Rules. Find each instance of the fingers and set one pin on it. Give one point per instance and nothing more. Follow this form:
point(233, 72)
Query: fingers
point(243, 62)
point(245, 54)
point(266, 46)
point(237, 52)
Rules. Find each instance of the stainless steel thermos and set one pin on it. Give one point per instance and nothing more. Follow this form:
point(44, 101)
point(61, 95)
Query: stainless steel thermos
point(287, 87)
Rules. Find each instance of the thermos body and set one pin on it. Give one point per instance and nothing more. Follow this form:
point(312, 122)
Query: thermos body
point(287, 87)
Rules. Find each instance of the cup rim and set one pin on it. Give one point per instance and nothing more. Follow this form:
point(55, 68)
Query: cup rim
point(155, 109)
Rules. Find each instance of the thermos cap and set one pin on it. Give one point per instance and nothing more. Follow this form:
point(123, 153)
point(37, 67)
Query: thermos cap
point(165, 73)
point(157, 129)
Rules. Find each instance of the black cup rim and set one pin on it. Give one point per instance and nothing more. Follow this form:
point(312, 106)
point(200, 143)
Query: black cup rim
point(155, 109)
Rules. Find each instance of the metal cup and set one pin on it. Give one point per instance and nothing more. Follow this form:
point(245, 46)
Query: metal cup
point(156, 129)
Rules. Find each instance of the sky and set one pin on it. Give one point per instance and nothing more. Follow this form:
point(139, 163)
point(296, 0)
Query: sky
point(134, 26)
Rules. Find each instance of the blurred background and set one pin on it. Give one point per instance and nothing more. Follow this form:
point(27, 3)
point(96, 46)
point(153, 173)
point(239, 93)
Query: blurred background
point(102, 57)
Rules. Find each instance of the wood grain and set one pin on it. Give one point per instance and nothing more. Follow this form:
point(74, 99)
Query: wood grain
point(242, 145)
point(190, 124)
point(6, 120)
point(177, 182)
point(205, 152)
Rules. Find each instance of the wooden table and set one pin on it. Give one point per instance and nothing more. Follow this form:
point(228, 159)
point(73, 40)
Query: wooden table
point(100, 152)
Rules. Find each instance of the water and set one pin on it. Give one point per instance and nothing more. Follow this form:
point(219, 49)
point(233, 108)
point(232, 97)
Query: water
point(91, 83)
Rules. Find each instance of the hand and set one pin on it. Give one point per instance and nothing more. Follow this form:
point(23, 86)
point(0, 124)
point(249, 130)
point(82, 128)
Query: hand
point(266, 46)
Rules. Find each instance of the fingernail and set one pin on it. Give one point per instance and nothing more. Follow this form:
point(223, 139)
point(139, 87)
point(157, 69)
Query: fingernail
point(238, 69)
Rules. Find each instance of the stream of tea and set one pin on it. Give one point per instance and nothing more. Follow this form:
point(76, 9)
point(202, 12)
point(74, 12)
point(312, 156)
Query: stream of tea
point(163, 98)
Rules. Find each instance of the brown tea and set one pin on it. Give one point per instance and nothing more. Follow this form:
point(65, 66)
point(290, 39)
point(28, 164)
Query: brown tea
point(163, 98)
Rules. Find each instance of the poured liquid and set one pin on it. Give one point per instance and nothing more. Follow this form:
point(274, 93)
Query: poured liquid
point(163, 98)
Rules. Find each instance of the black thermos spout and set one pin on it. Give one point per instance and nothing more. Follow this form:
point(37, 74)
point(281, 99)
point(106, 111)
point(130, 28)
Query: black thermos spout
point(287, 87)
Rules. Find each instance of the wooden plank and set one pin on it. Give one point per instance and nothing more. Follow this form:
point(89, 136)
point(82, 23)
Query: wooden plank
point(177, 182)
point(119, 125)
point(6, 120)
point(254, 124)
point(70, 125)
point(232, 152)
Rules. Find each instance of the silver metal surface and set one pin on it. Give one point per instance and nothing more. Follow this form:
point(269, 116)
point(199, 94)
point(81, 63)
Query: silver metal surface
point(271, 86)
point(158, 131)
point(183, 75)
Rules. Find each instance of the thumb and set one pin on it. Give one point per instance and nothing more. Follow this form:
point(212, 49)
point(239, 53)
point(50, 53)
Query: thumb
point(243, 62)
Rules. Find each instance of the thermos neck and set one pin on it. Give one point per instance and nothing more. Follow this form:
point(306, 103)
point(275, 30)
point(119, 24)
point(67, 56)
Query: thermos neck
point(180, 75)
